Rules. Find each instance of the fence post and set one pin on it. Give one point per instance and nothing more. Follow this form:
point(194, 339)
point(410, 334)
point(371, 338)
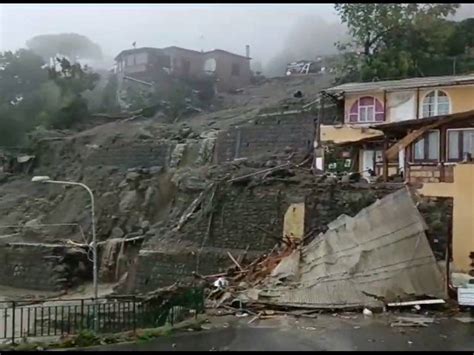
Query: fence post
point(82, 314)
point(13, 323)
point(197, 303)
point(134, 312)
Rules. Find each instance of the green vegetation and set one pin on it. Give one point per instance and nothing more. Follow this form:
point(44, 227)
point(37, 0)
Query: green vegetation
point(395, 41)
point(33, 95)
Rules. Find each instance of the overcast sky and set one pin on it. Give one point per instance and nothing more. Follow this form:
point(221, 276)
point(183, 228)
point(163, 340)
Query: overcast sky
point(269, 29)
point(196, 26)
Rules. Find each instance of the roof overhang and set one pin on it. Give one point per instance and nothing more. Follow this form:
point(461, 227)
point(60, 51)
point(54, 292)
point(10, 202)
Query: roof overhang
point(420, 127)
point(401, 85)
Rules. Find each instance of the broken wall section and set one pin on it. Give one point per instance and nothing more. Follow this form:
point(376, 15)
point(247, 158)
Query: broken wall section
point(379, 256)
point(241, 219)
point(45, 267)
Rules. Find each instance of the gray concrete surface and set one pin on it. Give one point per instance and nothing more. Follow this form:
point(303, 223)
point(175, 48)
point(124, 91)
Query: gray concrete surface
point(324, 333)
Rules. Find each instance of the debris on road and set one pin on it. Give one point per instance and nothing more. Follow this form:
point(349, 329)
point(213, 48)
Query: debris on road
point(360, 262)
point(255, 318)
point(412, 322)
point(416, 303)
point(367, 312)
point(221, 283)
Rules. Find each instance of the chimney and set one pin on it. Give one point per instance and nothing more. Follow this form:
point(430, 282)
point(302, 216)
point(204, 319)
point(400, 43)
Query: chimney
point(247, 51)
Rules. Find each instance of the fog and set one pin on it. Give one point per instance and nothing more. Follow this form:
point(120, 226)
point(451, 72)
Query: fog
point(276, 33)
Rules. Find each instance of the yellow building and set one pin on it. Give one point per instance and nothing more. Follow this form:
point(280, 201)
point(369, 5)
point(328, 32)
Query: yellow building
point(367, 105)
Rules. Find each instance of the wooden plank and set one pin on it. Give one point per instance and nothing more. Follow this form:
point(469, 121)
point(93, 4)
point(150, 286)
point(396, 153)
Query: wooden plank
point(392, 152)
point(414, 303)
point(234, 261)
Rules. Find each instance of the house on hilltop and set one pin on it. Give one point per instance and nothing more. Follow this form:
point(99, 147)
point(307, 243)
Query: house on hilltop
point(230, 71)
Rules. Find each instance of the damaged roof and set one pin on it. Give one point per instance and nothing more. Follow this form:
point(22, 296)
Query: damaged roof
point(381, 255)
point(393, 85)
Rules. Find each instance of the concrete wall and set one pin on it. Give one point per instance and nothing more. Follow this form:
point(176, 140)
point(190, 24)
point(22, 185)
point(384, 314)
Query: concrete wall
point(196, 61)
point(139, 154)
point(41, 267)
point(223, 72)
point(266, 135)
point(462, 192)
point(243, 218)
point(293, 224)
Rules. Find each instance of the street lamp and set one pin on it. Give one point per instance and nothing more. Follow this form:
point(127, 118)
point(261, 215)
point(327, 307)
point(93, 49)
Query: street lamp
point(47, 179)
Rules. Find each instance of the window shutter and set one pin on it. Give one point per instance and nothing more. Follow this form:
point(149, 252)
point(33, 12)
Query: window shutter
point(354, 112)
point(379, 111)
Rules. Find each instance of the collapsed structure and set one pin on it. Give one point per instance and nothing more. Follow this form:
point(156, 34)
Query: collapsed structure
point(176, 200)
point(379, 256)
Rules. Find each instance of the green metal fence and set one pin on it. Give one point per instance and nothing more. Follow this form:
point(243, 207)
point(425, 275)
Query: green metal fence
point(21, 319)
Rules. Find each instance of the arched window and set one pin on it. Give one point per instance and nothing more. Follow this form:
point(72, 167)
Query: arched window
point(436, 103)
point(366, 109)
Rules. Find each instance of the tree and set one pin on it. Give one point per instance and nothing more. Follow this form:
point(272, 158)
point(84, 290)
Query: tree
point(32, 95)
point(394, 39)
point(22, 74)
point(462, 38)
point(73, 80)
point(71, 45)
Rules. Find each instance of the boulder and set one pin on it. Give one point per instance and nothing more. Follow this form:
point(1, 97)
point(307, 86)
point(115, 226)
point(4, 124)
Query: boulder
point(117, 232)
point(132, 176)
point(128, 199)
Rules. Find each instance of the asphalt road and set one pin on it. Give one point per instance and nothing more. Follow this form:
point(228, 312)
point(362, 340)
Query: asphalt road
point(326, 333)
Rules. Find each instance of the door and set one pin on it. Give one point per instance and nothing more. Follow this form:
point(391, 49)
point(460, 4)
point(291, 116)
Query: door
point(368, 158)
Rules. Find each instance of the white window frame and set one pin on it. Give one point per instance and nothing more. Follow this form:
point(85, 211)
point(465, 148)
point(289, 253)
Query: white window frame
point(365, 109)
point(436, 103)
point(447, 143)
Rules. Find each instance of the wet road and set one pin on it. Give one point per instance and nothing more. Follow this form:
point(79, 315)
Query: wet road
point(321, 334)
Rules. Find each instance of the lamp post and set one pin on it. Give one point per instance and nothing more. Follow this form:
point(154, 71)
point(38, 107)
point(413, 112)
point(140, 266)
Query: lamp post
point(47, 179)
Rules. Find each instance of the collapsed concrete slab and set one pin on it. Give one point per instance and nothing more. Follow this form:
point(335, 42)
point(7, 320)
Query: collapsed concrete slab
point(381, 255)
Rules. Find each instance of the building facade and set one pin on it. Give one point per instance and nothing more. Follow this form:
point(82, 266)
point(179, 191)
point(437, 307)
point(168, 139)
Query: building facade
point(376, 104)
point(229, 70)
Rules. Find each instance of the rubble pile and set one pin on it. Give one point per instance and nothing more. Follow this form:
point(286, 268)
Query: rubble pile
point(379, 256)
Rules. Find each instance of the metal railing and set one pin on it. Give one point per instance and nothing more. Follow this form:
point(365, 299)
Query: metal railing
point(22, 319)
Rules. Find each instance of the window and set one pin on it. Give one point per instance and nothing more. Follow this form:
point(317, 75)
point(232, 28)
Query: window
point(235, 69)
point(141, 58)
point(186, 65)
point(130, 60)
point(365, 110)
point(427, 148)
point(460, 142)
point(165, 61)
point(436, 103)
